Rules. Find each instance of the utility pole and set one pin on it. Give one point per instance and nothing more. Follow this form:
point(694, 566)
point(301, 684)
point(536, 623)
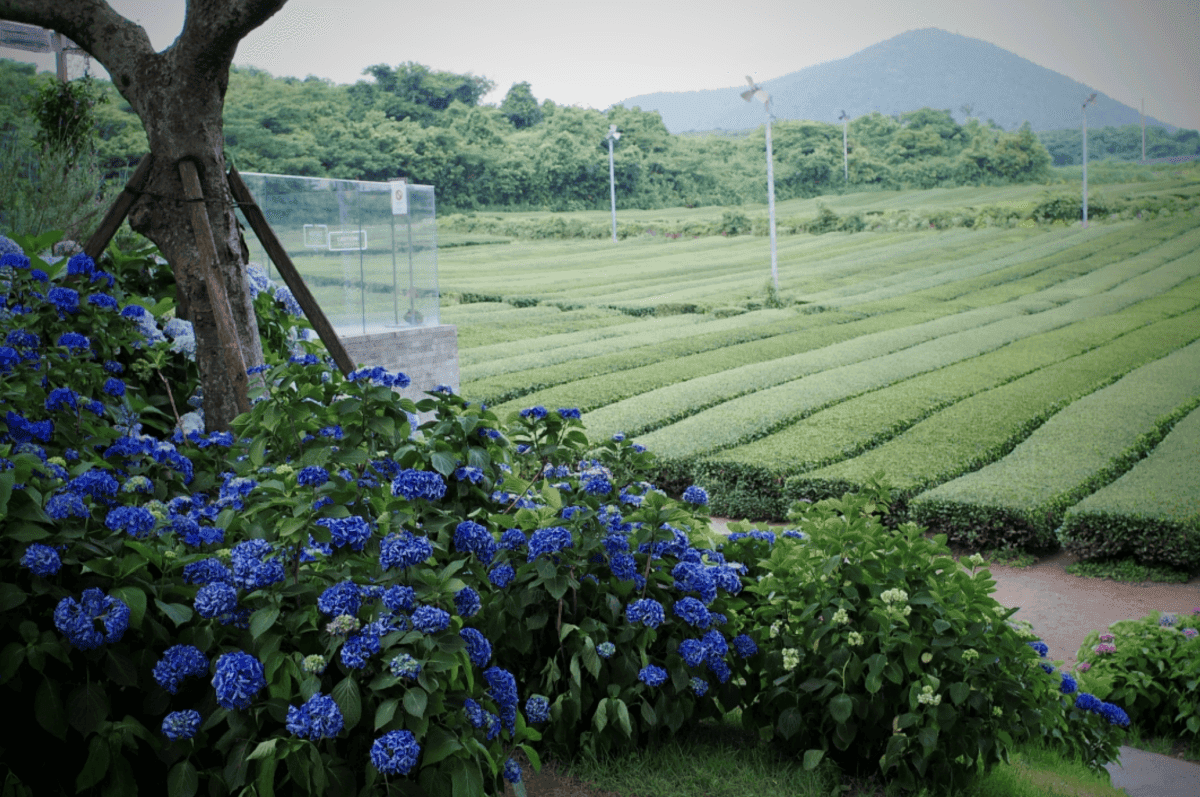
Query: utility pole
point(845, 158)
point(748, 95)
point(613, 135)
point(1085, 158)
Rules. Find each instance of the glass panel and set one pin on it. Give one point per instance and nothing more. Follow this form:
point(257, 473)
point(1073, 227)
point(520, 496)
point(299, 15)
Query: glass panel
point(371, 270)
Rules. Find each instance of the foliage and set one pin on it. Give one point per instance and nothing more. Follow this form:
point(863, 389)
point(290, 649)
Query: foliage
point(1120, 143)
point(1150, 666)
point(65, 115)
point(1127, 569)
point(888, 655)
point(520, 106)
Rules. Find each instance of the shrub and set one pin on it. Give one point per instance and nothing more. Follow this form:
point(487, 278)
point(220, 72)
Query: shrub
point(1151, 666)
point(884, 652)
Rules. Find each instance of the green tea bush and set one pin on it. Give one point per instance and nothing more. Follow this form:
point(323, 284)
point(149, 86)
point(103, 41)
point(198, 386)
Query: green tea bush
point(1151, 666)
point(885, 654)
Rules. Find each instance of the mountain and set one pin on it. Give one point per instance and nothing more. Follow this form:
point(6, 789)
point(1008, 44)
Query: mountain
point(918, 69)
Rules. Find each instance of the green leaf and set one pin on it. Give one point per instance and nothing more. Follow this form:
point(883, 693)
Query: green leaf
point(466, 778)
point(385, 711)
point(927, 736)
point(135, 599)
point(182, 780)
point(346, 695)
point(48, 706)
point(812, 758)
point(415, 701)
point(96, 765)
point(265, 781)
point(87, 707)
point(265, 749)
point(941, 626)
point(443, 462)
point(11, 596)
point(178, 612)
point(623, 719)
point(600, 718)
point(840, 707)
point(959, 692)
point(439, 743)
point(258, 451)
point(262, 620)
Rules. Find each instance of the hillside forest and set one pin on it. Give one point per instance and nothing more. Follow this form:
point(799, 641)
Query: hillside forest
point(431, 127)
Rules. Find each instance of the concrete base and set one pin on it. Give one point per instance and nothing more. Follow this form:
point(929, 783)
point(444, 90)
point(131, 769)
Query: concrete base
point(427, 355)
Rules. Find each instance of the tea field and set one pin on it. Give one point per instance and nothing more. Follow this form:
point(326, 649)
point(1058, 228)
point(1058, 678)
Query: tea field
point(1003, 377)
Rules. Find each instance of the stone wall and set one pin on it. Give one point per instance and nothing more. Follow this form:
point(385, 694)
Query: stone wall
point(427, 355)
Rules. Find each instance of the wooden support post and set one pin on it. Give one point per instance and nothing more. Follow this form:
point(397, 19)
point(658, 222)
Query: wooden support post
point(295, 283)
point(111, 222)
point(218, 299)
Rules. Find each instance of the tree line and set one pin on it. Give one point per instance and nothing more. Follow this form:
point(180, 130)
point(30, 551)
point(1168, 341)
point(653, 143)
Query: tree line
point(431, 127)
point(1118, 143)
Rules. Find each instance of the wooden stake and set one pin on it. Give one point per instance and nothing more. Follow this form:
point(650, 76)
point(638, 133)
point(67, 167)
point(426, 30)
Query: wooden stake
point(218, 299)
point(295, 283)
point(111, 222)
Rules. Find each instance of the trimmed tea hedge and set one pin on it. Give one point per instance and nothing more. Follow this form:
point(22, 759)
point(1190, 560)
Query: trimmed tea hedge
point(985, 427)
point(1022, 498)
point(1152, 512)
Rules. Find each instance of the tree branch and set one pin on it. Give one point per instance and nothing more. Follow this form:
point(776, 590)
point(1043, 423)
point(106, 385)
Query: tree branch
point(120, 45)
point(213, 28)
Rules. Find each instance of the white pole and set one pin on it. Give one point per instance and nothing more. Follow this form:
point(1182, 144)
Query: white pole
point(845, 157)
point(771, 199)
point(1085, 160)
point(1143, 129)
point(612, 187)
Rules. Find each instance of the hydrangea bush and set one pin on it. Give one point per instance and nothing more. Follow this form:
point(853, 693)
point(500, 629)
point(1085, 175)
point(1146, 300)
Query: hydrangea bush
point(335, 598)
point(886, 654)
point(1151, 666)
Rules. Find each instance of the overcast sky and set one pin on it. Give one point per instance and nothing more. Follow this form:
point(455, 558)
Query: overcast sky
point(595, 54)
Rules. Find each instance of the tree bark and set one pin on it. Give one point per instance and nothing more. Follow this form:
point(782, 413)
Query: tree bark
point(179, 94)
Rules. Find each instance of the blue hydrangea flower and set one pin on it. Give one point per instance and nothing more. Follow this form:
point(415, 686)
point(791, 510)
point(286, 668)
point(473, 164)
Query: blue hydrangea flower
point(652, 675)
point(137, 521)
point(606, 650)
point(1114, 715)
point(61, 398)
point(414, 484)
point(623, 566)
point(395, 753)
point(692, 612)
point(342, 598)
point(177, 663)
point(207, 571)
point(744, 646)
point(466, 473)
point(692, 651)
point(513, 540)
point(239, 676)
point(98, 484)
point(537, 709)
point(695, 495)
point(502, 686)
point(77, 620)
point(597, 485)
point(404, 550)
point(216, 600)
point(1068, 685)
point(549, 540)
point(1087, 702)
point(699, 686)
point(1040, 647)
point(73, 340)
point(467, 602)
point(318, 718)
point(399, 598)
point(570, 413)
point(312, 476)
point(251, 571)
point(471, 537)
point(646, 611)
point(537, 413)
point(360, 647)
point(512, 770)
point(181, 724)
point(41, 559)
point(479, 650)
point(430, 619)
point(479, 717)
point(502, 575)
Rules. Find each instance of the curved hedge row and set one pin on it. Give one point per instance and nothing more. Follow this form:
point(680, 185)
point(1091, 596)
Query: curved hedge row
point(1022, 498)
point(1151, 512)
point(747, 481)
point(985, 427)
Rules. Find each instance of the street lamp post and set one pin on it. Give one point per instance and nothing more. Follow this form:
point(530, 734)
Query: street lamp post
point(1085, 158)
point(845, 158)
point(613, 135)
point(748, 95)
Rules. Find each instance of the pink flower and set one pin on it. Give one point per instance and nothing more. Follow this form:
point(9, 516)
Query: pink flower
point(1085, 666)
point(1191, 633)
point(1104, 648)
point(1107, 638)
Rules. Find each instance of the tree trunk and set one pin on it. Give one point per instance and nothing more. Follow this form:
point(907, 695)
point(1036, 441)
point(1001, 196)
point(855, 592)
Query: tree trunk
point(179, 94)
